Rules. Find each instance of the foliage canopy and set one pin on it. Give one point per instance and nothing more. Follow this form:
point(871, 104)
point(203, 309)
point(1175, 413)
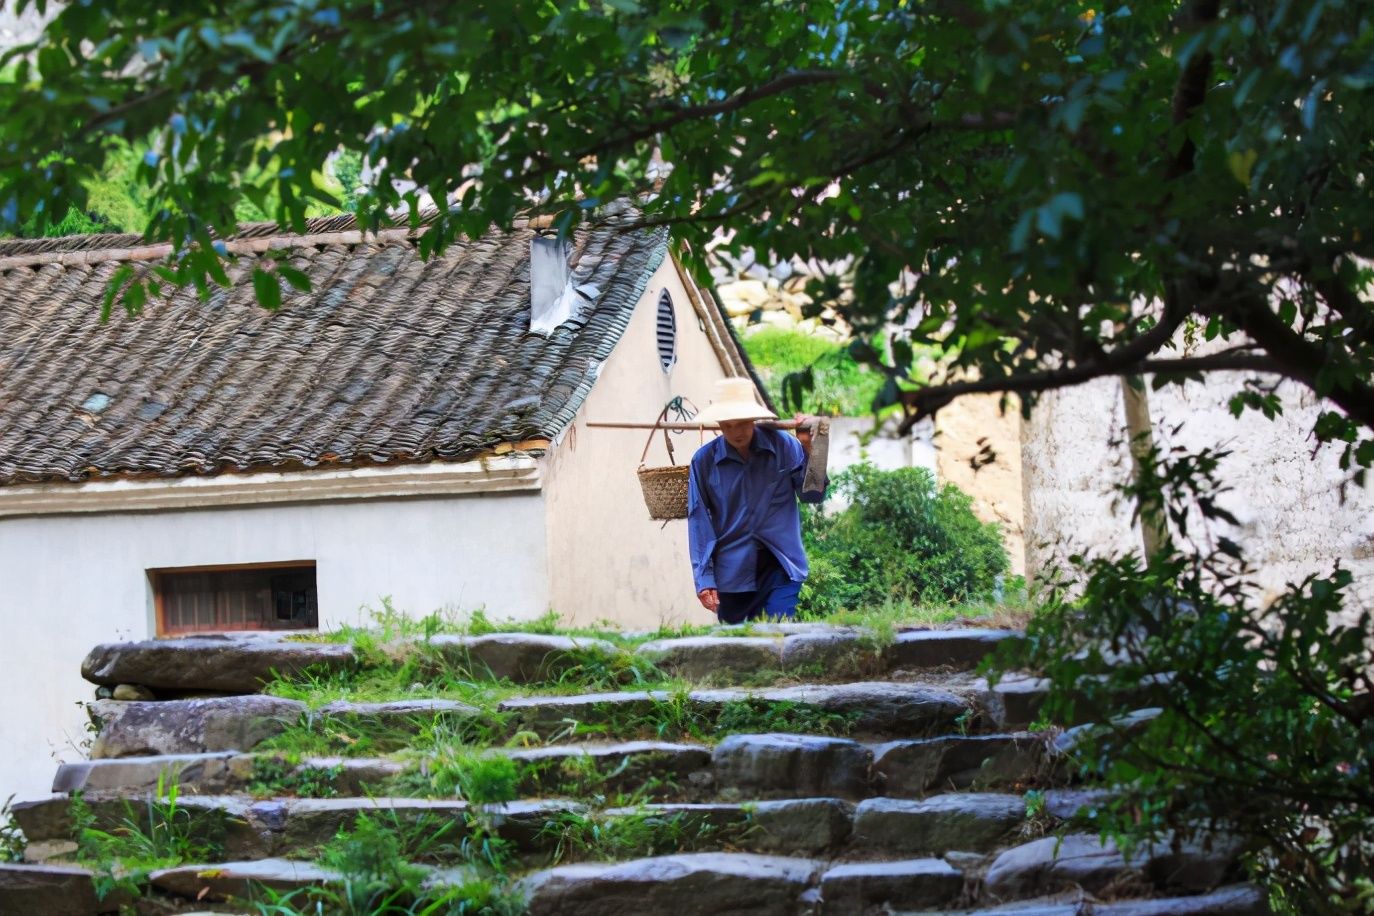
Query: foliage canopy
point(1062, 188)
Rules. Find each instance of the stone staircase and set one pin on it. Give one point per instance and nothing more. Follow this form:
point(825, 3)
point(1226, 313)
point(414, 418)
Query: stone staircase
point(782, 769)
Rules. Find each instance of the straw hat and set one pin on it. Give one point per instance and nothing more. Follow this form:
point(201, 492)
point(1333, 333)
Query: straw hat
point(735, 399)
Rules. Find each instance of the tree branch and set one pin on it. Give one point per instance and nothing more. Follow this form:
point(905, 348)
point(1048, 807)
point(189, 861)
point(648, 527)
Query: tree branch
point(1124, 360)
point(1302, 359)
point(928, 401)
point(1191, 88)
point(787, 81)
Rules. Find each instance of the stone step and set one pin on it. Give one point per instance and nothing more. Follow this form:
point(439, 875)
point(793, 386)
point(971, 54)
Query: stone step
point(280, 826)
point(740, 768)
point(772, 765)
point(862, 888)
point(914, 768)
point(1081, 860)
point(706, 884)
point(796, 826)
point(243, 663)
point(870, 708)
point(959, 821)
point(959, 649)
point(222, 881)
point(1015, 701)
point(201, 772)
point(408, 716)
point(609, 767)
point(143, 728)
point(54, 890)
point(523, 658)
point(51, 820)
point(1232, 900)
point(689, 884)
point(825, 652)
point(239, 663)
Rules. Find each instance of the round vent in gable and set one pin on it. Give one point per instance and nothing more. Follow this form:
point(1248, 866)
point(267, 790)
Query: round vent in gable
point(667, 332)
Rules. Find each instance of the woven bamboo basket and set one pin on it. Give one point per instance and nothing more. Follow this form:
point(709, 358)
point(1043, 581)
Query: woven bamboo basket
point(665, 488)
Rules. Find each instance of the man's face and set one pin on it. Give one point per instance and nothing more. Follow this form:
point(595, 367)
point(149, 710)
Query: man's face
point(739, 433)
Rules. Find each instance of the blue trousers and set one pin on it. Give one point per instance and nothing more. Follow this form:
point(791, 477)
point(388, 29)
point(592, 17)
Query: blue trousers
point(775, 597)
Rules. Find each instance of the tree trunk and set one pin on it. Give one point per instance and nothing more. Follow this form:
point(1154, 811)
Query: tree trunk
point(1140, 431)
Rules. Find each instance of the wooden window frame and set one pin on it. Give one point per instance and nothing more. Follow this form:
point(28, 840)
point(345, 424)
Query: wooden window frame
point(158, 575)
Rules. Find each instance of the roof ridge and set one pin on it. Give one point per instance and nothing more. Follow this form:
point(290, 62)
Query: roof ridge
point(49, 249)
point(67, 243)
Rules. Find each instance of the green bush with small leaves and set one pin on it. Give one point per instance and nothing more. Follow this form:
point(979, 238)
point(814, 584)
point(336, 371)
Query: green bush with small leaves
point(903, 538)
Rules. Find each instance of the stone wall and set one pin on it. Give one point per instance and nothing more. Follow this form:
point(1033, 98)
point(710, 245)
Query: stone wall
point(978, 449)
point(1295, 519)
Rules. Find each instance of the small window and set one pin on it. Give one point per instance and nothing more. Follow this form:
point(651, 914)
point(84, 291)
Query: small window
point(667, 332)
point(213, 599)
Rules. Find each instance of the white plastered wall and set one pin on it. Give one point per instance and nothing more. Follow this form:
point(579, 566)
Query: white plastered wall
point(607, 558)
point(68, 582)
point(1294, 518)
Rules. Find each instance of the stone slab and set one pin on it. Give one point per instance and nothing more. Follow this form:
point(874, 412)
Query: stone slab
point(237, 879)
point(227, 663)
point(1236, 900)
point(552, 714)
point(959, 649)
point(1015, 701)
point(200, 772)
point(750, 766)
point(354, 775)
point(524, 658)
point(618, 765)
point(879, 707)
point(693, 884)
point(141, 729)
point(1083, 860)
point(53, 890)
point(968, 822)
point(872, 888)
point(1048, 864)
point(831, 653)
point(407, 715)
point(914, 767)
point(50, 819)
point(1068, 804)
point(799, 826)
point(302, 823)
point(719, 658)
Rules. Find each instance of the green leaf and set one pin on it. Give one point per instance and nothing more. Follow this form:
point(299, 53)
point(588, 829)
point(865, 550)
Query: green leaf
point(296, 278)
point(267, 289)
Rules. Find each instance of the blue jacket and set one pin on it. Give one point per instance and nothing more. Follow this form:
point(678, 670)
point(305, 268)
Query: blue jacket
point(732, 506)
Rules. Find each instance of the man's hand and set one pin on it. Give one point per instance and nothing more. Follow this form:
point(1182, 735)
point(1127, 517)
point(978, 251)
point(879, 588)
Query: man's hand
point(709, 598)
point(806, 427)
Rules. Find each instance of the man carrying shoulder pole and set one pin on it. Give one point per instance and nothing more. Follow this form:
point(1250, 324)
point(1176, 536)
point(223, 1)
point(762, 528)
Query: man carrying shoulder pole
point(743, 522)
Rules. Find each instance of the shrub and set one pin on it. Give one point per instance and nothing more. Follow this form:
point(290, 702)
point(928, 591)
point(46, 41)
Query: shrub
point(1261, 713)
point(902, 538)
point(839, 385)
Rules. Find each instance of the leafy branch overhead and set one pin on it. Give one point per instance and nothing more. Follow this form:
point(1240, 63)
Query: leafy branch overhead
point(1056, 191)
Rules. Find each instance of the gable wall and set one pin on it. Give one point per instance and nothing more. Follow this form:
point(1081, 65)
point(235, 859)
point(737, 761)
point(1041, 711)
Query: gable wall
point(68, 582)
point(607, 558)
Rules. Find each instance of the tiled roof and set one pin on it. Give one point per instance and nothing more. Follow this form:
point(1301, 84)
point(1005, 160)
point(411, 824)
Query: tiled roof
point(387, 359)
